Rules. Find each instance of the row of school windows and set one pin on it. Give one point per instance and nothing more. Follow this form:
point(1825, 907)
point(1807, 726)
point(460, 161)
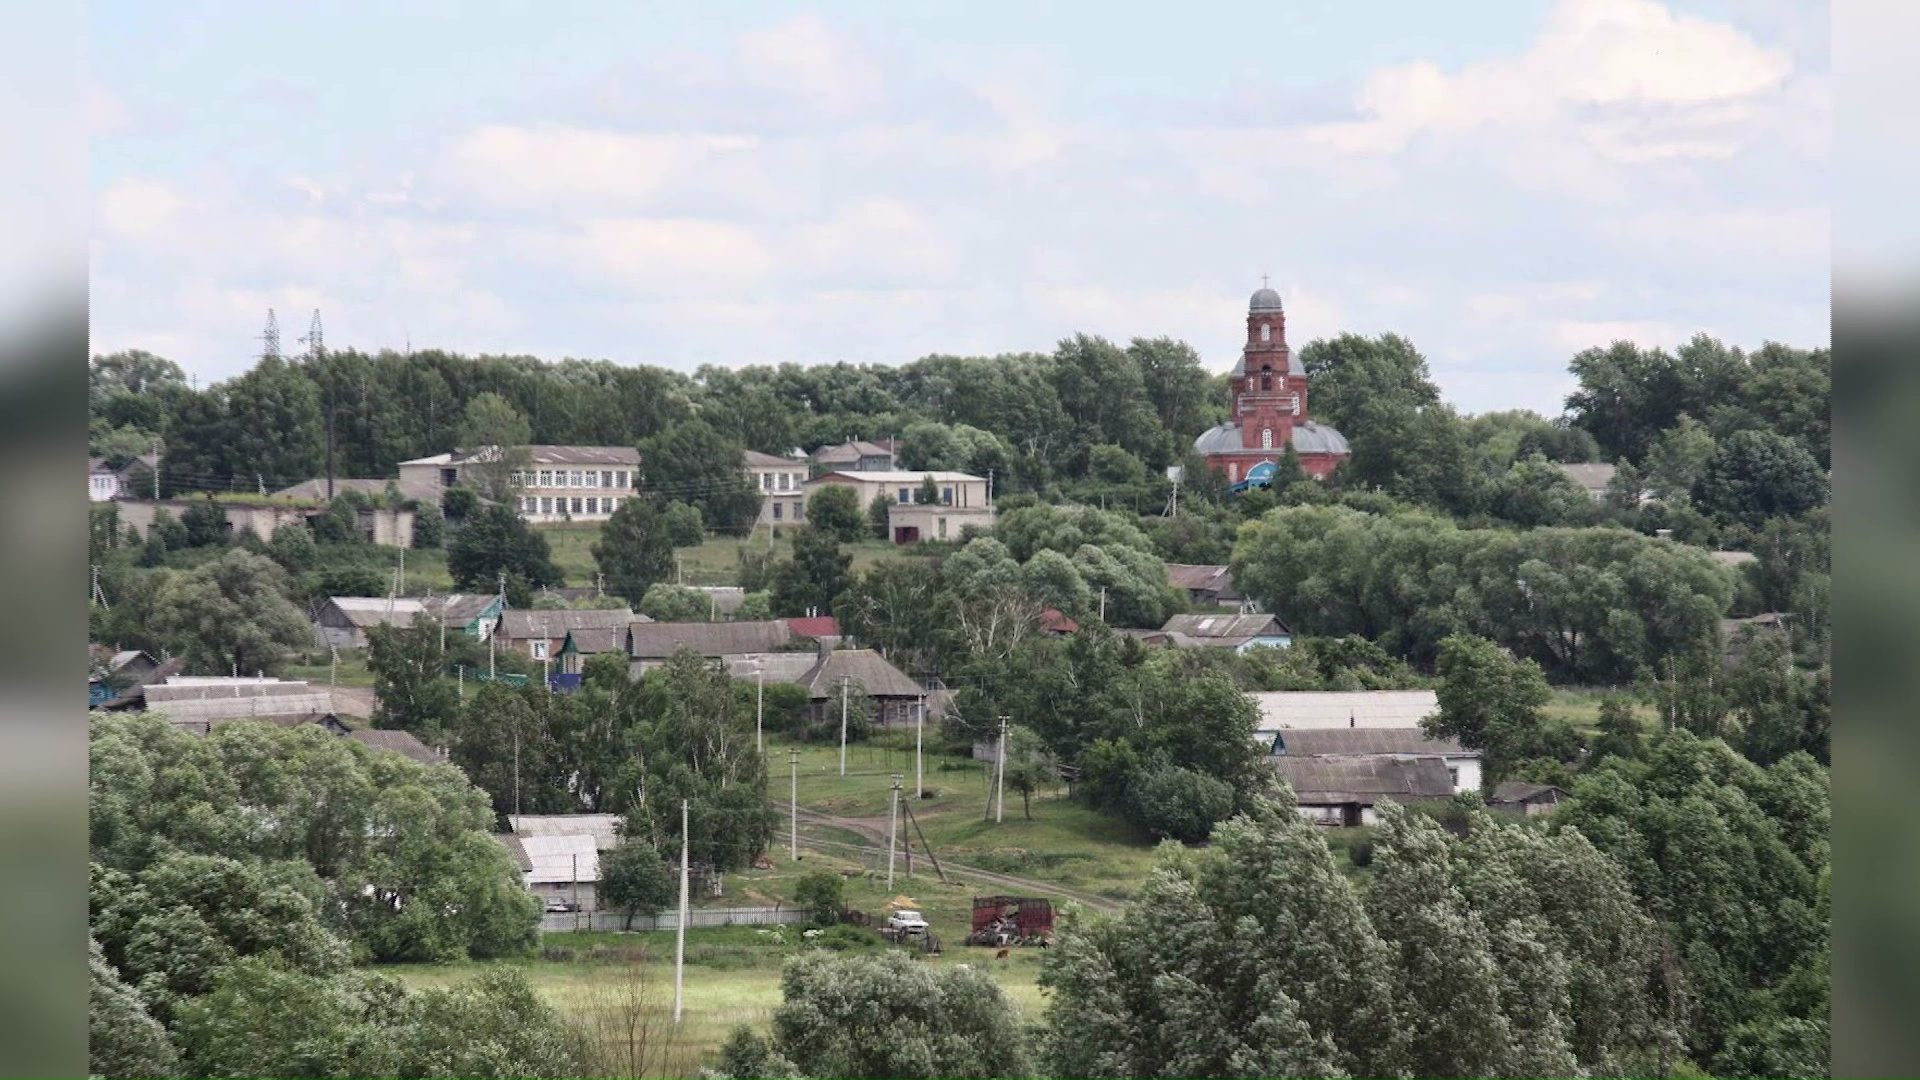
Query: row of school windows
point(550, 504)
point(574, 478)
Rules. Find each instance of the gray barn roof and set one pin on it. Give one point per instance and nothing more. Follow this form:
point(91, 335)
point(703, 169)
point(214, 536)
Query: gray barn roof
point(1363, 780)
point(659, 640)
point(865, 669)
point(400, 742)
point(1360, 742)
point(1281, 709)
point(520, 624)
point(1237, 629)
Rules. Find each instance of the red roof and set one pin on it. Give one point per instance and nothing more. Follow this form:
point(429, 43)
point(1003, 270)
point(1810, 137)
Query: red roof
point(1055, 623)
point(815, 627)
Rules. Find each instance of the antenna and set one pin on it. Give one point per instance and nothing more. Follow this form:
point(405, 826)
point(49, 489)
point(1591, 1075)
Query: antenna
point(313, 338)
point(270, 338)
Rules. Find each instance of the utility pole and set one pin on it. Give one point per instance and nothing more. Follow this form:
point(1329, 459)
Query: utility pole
point(516, 769)
point(333, 667)
point(893, 830)
point(1000, 786)
point(1103, 603)
point(843, 725)
point(919, 736)
point(760, 705)
point(793, 801)
point(156, 470)
point(680, 932)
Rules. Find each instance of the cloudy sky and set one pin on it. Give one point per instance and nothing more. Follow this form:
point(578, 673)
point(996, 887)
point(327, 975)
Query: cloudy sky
point(1504, 181)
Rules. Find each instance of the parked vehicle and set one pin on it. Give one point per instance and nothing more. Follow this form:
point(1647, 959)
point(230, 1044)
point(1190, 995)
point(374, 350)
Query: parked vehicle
point(905, 923)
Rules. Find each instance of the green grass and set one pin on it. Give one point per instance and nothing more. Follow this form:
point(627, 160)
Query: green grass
point(732, 977)
point(352, 671)
point(1580, 706)
point(714, 561)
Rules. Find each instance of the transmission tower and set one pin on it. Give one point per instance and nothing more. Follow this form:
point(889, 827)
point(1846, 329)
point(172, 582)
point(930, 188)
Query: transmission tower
point(315, 342)
point(270, 338)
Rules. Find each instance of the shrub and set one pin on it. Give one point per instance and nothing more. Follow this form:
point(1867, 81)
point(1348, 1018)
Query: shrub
point(823, 894)
point(1181, 803)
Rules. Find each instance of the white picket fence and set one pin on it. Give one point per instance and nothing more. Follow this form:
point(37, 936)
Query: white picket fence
point(562, 922)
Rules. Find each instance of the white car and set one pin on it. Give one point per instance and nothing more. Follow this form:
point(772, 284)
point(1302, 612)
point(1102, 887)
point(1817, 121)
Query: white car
point(906, 923)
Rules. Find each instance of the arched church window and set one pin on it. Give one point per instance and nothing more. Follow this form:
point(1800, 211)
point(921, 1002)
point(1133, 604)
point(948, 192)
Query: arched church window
point(1266, 378)
point(1266, 331)
point(1266, 438)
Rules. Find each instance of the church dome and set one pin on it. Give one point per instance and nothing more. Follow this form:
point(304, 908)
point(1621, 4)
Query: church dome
point(1264, 300)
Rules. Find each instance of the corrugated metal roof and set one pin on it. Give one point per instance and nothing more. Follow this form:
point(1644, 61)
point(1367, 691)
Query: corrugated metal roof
point(852, 451)
point(1193, 576)
point(261, 707)
point(781, 667)
point(521, 624)
point(756, 459)
point(593, 640)
point(1592, 476)
point(176, 689)
point(1281, 709)
point(365, 611)
point(604, 828)
point(1351, 742)
point(1306, 438)
point(514, 851)
point(658, 640)
point(1225, 626)
point(561, 860)
point(1363, 780)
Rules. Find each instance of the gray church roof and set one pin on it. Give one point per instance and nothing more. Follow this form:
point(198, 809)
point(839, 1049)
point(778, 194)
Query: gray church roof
point(1263, 300)
point(1308, 438)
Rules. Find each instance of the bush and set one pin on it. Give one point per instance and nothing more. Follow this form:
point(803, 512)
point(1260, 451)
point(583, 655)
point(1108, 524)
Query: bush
point(429, 527)
point(1172, 801)
point(1360, 851)
point(835, 510)
point(683, 524)
point(459, 503)
point(843, 937)
point(823, 894)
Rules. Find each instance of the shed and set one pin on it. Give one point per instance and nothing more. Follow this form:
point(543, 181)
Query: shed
point(650, 644)
point(579, 645)
point(1345, 791)
point(1521, 797)
point(604, 828)
point(566, 870)
point(1207, 586)
point(343, 621)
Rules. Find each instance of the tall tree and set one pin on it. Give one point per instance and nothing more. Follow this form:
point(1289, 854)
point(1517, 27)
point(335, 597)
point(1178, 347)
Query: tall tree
point(692, 462)
point(278, 434)
point(937, 1022)
point(496, 540)
point(1756, 475)
point(411, 690)
point(1491, 702)
point(230, 614)
point(635, 549)
point(814, 578)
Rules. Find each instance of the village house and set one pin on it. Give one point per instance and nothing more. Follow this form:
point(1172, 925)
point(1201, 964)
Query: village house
point(198, 704)
point(1292, 710)
point(343, 621)
point(1205, 586)
point(1593, 477)
point(1268, 403)
point(400, 742)
point(116, 678)
point(964, 500)
point(558, 483)
point(539, 635)
point(891, 698)
point(1520, 797)
point(858, 455)
point(559, 856)
point(1236, 632)
point(651, 644)
point(1344, 791)
point(106, 483)
point(1403, 744)
point(780, 482)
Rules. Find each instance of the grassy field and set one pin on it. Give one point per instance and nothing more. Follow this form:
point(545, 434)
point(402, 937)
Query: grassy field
point(351, 672)
point(732, 977)
point(714, 561)
point(1580, 706)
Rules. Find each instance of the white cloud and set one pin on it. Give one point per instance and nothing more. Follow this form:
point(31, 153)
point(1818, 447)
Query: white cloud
point(553, 167)
point(1573, 335)
point(138, 209)
point(803, 57)
point(1635, 80)
point(670, 256)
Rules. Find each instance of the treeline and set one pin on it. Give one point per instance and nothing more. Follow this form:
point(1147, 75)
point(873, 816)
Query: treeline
point(1672, 918)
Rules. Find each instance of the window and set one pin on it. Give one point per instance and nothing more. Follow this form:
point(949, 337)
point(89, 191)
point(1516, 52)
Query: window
point(606, 478)
point(776, 511)
point(946, 496)
point(593, 506)
point(766, 481)
point(1266, 332)
point(545, 478)
point(539, 650)
point(449, 477)
point(1453, 775)
point(906, 495)
point(610, 504)
point(1266, 378)
point(546, 504)
point(620, 479)
point(526, 505)
point(1266, 438)
point(784, 478)
point(943, 528)
point(1233, 472)
point(799, 510)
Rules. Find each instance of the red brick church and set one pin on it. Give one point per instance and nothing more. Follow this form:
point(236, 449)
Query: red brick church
point(1269, 408)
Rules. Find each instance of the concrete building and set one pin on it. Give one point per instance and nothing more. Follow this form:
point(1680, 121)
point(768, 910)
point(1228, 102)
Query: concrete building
point(559, 483)
point(386, 526)
point(780, 481)
point(858, 455)
point(963, 500)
